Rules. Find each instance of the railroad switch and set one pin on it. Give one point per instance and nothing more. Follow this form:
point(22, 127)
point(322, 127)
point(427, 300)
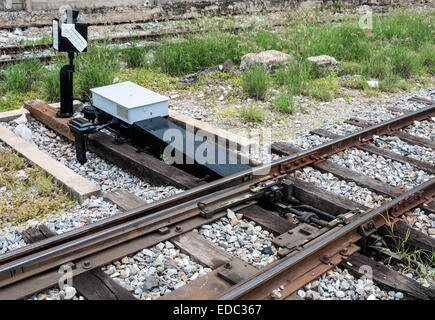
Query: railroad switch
point(133, 114)
point(139, 116)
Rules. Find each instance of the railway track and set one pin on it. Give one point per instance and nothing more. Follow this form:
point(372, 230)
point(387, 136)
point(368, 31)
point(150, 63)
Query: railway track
point(152, 37)
point(314, 229)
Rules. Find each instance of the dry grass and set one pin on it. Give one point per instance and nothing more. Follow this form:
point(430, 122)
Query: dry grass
point(26, 192)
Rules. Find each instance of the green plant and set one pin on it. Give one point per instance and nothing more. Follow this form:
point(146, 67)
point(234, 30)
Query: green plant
point(399, 247)
point(29, 196)
point(378, 66)
point(350, 67)
point(405, 62)
point(196, 52)
point(284, 102)
point(22, 77)
point(12, 100)
point(338, 5)
point(96, 68)
point(51, 84)
point(251, 113)
point(294, 76)
point(135, 56)
point(255, 82)
point(427, 57)
point(149, 78)
point(323, 89)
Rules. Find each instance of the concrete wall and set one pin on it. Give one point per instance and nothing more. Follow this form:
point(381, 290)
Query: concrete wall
point(38, 5)
point(12, 5)
point(41, 12)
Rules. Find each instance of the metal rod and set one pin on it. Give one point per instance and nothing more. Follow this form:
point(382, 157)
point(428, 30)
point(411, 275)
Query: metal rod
point(250, 284)
point(315, 210)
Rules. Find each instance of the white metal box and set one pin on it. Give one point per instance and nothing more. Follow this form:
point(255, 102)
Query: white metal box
point(130, 102)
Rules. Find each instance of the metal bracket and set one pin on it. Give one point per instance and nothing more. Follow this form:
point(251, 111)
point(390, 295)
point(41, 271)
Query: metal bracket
point(366, 230)
point(344, 218)
point(271, 190)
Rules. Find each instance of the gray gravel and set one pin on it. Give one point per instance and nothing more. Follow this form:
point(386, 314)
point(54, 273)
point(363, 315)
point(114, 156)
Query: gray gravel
point(374, 113)
point(90, 211)
point(421, 220)
point(339, 284)
point(241, 238)
point(148, 274)
point(108, 176)
point(398, 146)
point(401, 175)
point(348, 190)
point(423, 129)
point(155, 271)
point(341, 128)
point(306, 140)
point(381, 113)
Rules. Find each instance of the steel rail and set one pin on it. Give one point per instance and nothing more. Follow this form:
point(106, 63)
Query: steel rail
point(14, 50)
point(264, 172)
point(53, 257)
point(46, 255)
point(396, 205)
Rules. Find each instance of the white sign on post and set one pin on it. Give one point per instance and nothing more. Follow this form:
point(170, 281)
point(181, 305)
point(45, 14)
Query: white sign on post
point(55, 35)
point(69, 31)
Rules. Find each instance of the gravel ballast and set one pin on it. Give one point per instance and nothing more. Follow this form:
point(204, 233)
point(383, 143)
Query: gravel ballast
point(339, 284)
point(241, 238)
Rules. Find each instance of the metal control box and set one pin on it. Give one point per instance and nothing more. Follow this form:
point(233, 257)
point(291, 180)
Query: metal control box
point(130, 102)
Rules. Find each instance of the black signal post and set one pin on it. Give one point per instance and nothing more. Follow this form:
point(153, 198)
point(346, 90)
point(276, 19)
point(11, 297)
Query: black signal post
point(69, 35)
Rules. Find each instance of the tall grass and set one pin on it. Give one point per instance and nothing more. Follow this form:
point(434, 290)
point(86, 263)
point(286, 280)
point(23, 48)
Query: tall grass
point(51, 84)
point(294, 76)
point(255, 82)
point(22, 77)
point(135, 56)
point(251, 113)
point(284, 102)
point(96, 68)
point(196, 52)
point(400, 46)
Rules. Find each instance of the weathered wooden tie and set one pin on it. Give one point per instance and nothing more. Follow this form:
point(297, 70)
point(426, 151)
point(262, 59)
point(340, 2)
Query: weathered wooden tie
point(93, 284)
point(202, 250)
point(401, 232)
point(124, 200)
point(381, 152)
point(404, 136)
point(269, 221)
point(387, 277)
point(342, 172)
point(141, 164)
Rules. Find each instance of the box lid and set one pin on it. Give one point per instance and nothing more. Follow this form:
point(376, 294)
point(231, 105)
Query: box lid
point(129, 95)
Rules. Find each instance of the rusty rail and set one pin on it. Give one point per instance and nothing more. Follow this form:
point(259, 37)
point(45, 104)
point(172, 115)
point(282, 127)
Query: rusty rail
point(261, 285)
point(277, 168)
point(21, 264)
point(152, 36)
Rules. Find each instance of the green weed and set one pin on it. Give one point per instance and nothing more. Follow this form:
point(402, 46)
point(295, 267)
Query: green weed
point(284, 102)
point(251, 113)
point(256, 82)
